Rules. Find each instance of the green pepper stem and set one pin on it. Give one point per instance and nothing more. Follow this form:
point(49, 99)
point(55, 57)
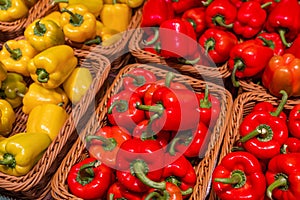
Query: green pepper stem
point(172, 150)
point(266, 4)
point(96, 40)
point(39, 29)
point(86, 173)
point(282, 37)
point(108, 144)
point(75, 18)
point(205, 103)
point(237, 179)
point(169, 78)
point(192, 22)
point(281, 181)
point(209, 45)
point(189, 62)
point(187, 191)
point(262, 130)
point(154, 195)
point(154, 39)
point(157, 108)
point(61, 1)
point(220, 21)
point(42, 75)
point(121, 105)
point(139, 168)
point(145, 134)
point(283, 101)
point(8, 160)
point(137, 80)
point(15, 54)
point(238, 65)
point(207, 2)
point(268, 43)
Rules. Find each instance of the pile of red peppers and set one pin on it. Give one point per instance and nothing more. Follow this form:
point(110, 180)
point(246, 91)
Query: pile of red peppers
point(265, 163)
point(258, 39)
point(155, 128)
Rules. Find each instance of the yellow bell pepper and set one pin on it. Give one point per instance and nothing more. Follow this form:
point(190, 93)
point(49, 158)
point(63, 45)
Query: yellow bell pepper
point(51, 67)
point(94, 6)
point(46, 118)
point(16, 54)
point(7, 117)
point(116, 16)
point(54, 16)
point(3, 73)
point(20, 152)
point(37, 95)
point(130, 3)
point(44, 33)
point(77, 84)
point(79, 25)
point(11, 10)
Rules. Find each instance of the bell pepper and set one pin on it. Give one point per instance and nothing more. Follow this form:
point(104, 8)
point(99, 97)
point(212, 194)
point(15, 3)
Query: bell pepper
point(217, 44)
point(196, 17)
point(167, 105)
point(291, 145)
point(283, 19)
point(180, 6)
point(37, 95)
point(171, 192)
point(54, 16)
point(178, 39)
point(283, 177)
point(131, 3)
point(7, 117)
point(3, 73)
point(242, 62)
point(116, 16)
point(44, 33)
point(122, 110)
point(16, 54)
point(136, 78)
point(155, 12)
point(263, 134)
point(270, 7)
point(281, 73)
point(13, 88)
point(294, 121)
point(105, 143)
point(11, 10)
point(77, 84)
point(51, 67)
point(137, 165)
point(78, 24)
point(294, 48)
point(152, 43)
point(220, 14)
point(239, 3)
point(273, 41)
point(250, 19)
point(20, 152)
point(93, 6)
point(239, 176)
point(46, 118)
point(117, 191)
point(89, 179)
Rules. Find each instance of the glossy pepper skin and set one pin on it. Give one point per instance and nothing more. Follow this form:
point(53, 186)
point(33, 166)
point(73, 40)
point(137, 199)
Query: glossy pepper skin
point(273, 41)
point(132, 3)
point(294, 121)
point(11, 10)
point(239, 176)
point(180, 6)
point(268, 107)
point(282, 20)
point(283, 177)
point(37, 95)
point(51, 67)
point(294, 48)
point(7, 117)
point(3, 73)
point(89, 179)
point(78, 24)
point(54, 16)
point(250, 19)
point(117, 191)
point(291, 145)
point(16, 54)
point(171, 192)
point(220, 14)
point(217, 43)
point(46, 118)
point(195, 16)
point(248, 59)
point(20, 152)
point(281, 73)
point(44, 33)
point(106, 142)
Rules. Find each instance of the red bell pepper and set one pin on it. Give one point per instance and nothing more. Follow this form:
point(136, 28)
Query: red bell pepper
point(152, 42)
point(89, 179)
point(181, 6)
point(242, 62)
point(220, 14)
point(282, 73)
point(284, 19)
point(283, 177)
point(291, 145)
point(106, 142)
point(273, 41)
point(270, 7)
point(136, 78)
point(121, 110)
point(239, 3)
point(178, 39)
point(294, 49)
point(117, 192)
point(294, 121)
point(239, 176)
point(138, 166)
point(250, 19)
point(171, 192)
point(196, 17)
point(155, 12)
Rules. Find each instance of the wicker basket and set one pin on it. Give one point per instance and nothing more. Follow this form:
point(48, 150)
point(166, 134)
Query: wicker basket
point(11, 30)
point(242, 106)
point(36, 183)
point(99, 119)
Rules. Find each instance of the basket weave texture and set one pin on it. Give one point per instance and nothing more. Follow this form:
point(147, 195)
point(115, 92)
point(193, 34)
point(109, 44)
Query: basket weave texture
point(11, 30)
point(36, 183)
point(99, 119)
point(242, 106)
